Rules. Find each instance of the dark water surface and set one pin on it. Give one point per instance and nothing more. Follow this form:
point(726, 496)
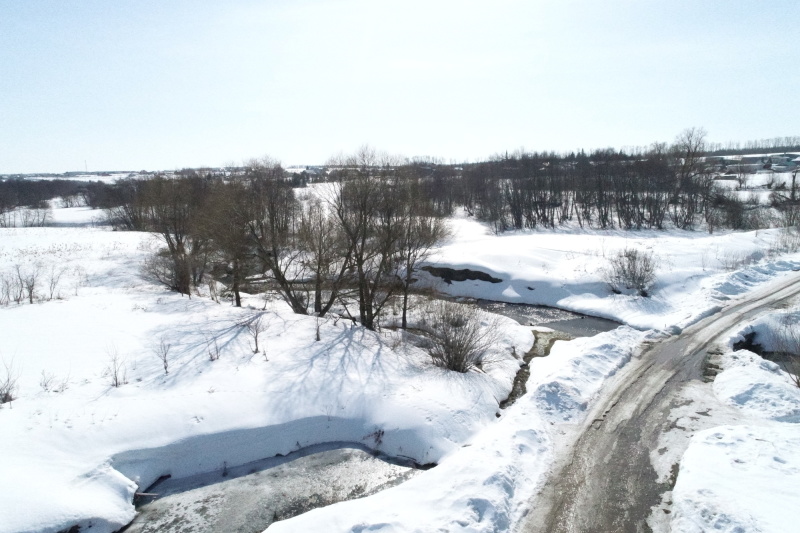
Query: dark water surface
point(573, 324)
point(250, 497)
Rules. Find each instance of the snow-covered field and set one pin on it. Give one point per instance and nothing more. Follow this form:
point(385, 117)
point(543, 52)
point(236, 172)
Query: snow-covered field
point(74, 453)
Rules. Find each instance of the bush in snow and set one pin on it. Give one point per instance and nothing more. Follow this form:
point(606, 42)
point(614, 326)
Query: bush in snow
point(116, 369)
point(630, 269)
point(28, 282)
point(459, 338)
point(161, 351)
point(8, 383)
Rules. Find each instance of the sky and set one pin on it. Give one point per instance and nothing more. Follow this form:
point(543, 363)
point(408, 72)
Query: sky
point(162, 85)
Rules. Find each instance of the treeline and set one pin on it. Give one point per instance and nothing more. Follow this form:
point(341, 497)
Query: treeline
point(666, 186)
point(772, 145)
point(36, 193)
point(601, 190)
point(354, 242)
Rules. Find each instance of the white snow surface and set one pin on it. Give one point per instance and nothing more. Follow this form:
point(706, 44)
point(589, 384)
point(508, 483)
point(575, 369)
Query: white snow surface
point(76, 456)
point(739, 478)
point(745, 476)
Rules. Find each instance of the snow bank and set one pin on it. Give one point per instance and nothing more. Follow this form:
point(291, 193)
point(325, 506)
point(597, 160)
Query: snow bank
point(563, 383)
point(745, 477)
point(758, 387)
point(739, 478)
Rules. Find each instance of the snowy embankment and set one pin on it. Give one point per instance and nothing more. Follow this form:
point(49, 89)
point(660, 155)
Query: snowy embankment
point(745, 477)
point(64, 453)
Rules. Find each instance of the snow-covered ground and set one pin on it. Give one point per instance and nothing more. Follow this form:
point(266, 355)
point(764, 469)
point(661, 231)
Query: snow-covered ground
point(696, 272)
point(743, 472)
point(74, 453)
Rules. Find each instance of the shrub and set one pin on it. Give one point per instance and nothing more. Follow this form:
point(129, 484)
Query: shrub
point(256, 326)
point(8, 383)
point(161, 351)
point(459, 338)
point(116, 369)
point(630, 269)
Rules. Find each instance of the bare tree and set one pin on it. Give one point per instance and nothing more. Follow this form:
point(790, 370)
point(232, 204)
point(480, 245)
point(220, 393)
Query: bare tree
point(53, 281)
point(16, 286)
point(28, 281)
point(174, 209)
point(421, 230)
point(226, 223)
point(326, 253)
point(256, 326)
point(688, 148)
point(274, 230)
point(5, 289)
point(38, 215)
point(8, 382)
point(116, 367)
point(368, 209)
point(788, 202)
point(161, 351)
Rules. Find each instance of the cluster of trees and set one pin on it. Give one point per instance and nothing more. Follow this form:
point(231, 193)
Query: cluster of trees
point(607, 189)
point(773, 145)
point(26, 202)
point(355, 241)
point(33, 193)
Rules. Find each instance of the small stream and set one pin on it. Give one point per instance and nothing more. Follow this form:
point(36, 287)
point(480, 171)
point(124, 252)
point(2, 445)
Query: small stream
point(572, 324)
point(548, 325)
point(250, 497)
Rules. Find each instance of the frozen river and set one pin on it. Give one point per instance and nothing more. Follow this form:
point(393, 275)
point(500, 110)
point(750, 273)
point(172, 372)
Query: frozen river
point(249, 498)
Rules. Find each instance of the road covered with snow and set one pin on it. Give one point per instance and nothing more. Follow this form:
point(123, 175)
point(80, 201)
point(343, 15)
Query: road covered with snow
point(75, 448)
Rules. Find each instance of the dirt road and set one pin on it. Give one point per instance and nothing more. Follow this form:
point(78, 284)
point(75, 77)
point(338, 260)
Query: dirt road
point(605, 482)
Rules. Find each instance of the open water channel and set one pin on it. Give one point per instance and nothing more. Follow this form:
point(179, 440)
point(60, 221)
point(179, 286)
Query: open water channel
point(250, 497)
